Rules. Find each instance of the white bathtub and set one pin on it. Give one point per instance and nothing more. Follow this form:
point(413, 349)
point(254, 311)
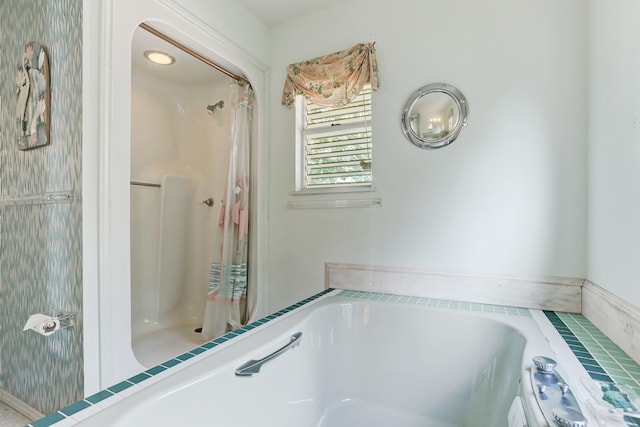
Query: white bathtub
point(359, 363)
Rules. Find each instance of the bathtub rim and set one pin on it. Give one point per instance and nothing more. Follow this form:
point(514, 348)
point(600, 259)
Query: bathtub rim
point(290, 316)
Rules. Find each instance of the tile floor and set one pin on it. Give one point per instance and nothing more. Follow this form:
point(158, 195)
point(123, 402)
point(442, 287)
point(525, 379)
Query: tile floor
point(11, 418)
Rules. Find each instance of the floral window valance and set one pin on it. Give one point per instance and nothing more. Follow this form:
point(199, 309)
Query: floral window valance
point(332, 80)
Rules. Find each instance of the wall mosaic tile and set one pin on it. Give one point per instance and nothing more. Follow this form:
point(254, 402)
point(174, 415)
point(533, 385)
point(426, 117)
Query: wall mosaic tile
point(41, 245)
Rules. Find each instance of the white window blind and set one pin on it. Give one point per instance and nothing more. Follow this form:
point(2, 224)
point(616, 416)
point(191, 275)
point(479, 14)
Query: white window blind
point(337, 144)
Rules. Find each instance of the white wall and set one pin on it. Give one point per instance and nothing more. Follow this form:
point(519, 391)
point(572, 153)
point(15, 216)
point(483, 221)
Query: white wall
point(509, 197)
point(239, 29)
point(172, 134)
point(614, 147)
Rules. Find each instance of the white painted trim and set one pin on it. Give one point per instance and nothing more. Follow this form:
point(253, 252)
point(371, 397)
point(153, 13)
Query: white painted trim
point(229, 45)
point(615, 317)
point(103, 194)
point(20, 406)
point(91, 39)
point(543, 293)
point(118, 20)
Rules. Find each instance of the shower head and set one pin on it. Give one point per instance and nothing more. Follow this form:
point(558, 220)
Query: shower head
point(212, 108)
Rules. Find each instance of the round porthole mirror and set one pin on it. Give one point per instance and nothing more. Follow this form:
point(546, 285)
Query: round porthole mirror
point(434, 115)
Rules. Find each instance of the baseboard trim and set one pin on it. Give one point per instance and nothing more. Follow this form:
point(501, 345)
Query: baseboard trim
point(615, 317)
point(543, 293)
point(20, 406)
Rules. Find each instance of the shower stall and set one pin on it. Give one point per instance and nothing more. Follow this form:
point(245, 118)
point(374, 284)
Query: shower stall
point(179, 154)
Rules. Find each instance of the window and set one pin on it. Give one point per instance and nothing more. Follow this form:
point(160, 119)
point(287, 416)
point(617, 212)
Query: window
point(334, 144)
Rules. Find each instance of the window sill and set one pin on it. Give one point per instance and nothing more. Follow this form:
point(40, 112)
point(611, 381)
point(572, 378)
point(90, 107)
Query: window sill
point(334, 203)
point(333, 191)
point(334, 198)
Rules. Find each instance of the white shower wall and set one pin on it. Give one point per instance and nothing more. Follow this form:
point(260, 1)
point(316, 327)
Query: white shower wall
point(172, 135)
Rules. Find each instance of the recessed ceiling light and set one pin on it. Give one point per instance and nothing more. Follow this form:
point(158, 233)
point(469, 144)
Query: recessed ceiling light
point(158, 57)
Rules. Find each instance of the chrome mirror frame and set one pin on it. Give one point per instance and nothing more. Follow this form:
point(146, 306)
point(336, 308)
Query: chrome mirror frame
point(408, 114)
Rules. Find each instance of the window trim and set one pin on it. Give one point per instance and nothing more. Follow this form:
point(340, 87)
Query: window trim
point(300, 145)
point(300, 157)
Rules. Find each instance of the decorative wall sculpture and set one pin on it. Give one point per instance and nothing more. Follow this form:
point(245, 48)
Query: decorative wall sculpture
point(33, 103)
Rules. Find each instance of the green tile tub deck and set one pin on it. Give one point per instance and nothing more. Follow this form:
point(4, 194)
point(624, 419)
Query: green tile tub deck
point(601, 358)
point(438, 303)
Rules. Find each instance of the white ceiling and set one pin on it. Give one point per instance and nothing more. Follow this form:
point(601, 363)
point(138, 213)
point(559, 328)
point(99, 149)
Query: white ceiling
point(275, 12)
point(187, 70)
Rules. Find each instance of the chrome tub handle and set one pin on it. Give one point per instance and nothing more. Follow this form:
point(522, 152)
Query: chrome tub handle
point(253, 366)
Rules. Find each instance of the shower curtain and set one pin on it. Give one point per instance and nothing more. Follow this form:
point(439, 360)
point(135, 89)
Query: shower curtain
point(226, 308)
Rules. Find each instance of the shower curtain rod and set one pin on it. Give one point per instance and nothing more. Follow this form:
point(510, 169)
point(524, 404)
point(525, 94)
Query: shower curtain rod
point(145, 184)
point(196, 55)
